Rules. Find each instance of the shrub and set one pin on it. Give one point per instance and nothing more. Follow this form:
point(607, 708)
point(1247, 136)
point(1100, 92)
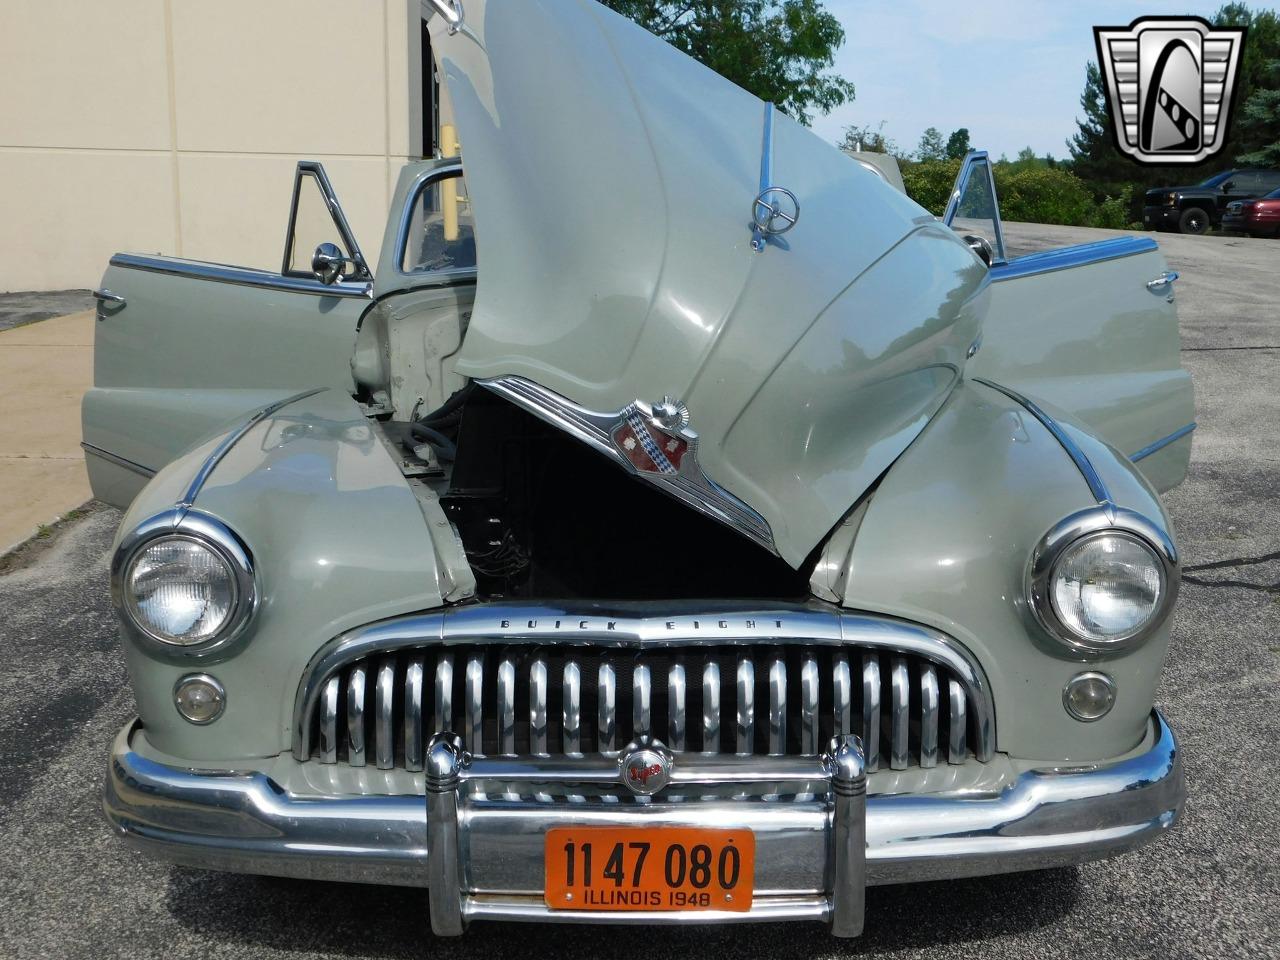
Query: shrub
point(1032, 193)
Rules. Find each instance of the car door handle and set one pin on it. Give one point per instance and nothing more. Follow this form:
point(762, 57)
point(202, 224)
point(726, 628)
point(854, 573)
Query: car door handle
point(1165, 279)
point(106, 296)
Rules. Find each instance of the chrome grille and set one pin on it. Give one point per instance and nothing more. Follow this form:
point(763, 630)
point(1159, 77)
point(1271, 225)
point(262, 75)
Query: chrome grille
point(530, 700)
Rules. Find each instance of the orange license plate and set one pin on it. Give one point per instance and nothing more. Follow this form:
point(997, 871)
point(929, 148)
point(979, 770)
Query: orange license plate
point(649, 868)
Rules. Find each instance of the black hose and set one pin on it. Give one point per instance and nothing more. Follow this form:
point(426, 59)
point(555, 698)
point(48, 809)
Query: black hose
point(450, 405)
point(446, 449)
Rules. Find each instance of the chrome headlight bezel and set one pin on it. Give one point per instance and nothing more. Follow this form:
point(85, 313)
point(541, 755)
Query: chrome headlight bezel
point(212, 534)
point(1087, 524)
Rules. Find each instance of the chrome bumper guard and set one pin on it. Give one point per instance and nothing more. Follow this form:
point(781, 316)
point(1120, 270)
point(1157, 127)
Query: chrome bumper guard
point(819, 838)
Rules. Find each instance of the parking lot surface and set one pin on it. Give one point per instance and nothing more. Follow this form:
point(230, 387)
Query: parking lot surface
point(1210, 889)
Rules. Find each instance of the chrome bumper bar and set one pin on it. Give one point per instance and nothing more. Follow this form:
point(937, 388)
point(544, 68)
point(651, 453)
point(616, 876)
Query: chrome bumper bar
point(487, 848)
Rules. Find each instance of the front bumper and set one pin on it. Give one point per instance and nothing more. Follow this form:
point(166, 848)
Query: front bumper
point(486, 842)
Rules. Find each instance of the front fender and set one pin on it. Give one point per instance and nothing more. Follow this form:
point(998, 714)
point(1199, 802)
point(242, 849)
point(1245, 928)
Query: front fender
point(946, 540)
point(338, 540)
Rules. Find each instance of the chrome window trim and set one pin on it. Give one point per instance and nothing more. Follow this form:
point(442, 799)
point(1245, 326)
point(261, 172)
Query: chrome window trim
point(1093, 522)
point(443, 170)
point(119, 461)
point(971, 160)
point(313, 168)
point(1163, 442)
point(641, 627)
point(240, 276)
point(1065, 258)
point(183, 523)
point(1097, 486)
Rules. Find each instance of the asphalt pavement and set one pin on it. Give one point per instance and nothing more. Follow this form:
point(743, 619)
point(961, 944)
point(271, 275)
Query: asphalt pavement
point(1210, 889)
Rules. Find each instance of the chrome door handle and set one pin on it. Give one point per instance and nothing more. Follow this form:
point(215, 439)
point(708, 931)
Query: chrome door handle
point(1165, 279)
point(104, 297)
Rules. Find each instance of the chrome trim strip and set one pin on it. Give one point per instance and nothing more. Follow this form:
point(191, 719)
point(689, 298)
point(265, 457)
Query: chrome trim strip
point(778, 706)
point(538, 696)
point(676, 724)
point(641, 702)
point(507, 706)
point(632, 627)
point(572, 692)
point(444, 694)
point(473, 703)
point(1096, 485)
point(957, 727)
point(119, 461)
point(690, 485)
point(711, 707)
point(746, 726)
point(900, 713)
point(243, 821)
point(329, 721)
point(230, 440)
point(413, 684)
point(1163, 442)
point(384, 697)
point(871, 710)
point(1065, 258)
point(842, 689)
point(355, 716)
point(766, 174)
point(607, 711)
point(929, 696)
point(809, 706)
point(240, 276)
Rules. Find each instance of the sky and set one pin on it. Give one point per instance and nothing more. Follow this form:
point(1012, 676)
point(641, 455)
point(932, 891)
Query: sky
point(1012, 72)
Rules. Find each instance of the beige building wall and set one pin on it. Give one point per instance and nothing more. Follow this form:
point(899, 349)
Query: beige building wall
point(173, 127)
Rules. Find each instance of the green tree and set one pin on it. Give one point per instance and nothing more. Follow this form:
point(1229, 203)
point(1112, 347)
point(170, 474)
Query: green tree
point(1259, 123)
point(932, 146)
point(780, 50)
point(958, 144)
point(869, 138)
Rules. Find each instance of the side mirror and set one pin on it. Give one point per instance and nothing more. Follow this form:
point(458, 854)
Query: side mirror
point(1226, 187)
point(982, 247)
point(327, 263)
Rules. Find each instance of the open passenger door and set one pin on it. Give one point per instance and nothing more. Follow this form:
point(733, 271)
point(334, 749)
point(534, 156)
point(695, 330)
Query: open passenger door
point(1090, 330)
point(183, 346)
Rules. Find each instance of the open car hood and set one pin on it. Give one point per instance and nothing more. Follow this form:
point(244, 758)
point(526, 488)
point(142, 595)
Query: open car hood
point(612, 180)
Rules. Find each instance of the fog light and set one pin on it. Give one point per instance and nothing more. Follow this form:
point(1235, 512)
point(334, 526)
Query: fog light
point(1089, 696)
point(200, 698)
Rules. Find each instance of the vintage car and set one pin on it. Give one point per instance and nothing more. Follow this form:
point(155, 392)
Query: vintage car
point(681, 524)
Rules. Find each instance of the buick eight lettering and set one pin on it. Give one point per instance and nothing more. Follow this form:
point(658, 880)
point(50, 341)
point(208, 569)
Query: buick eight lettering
point(680, 525)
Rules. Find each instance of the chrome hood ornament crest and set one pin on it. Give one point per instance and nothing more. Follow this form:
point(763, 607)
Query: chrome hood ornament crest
point(651, 440)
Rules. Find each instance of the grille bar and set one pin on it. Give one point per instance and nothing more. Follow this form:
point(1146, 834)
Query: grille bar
point(549, 699)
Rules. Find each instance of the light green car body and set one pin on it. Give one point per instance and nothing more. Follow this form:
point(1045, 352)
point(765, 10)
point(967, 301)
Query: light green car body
point(853, 355)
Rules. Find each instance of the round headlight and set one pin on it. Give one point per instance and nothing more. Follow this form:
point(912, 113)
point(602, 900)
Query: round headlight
point(1107, 587)
point(1102, 581)
point(180, 590)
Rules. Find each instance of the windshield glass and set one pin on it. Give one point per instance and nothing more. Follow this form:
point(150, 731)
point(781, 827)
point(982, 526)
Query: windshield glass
point(1273, 195)
point(1217, 179)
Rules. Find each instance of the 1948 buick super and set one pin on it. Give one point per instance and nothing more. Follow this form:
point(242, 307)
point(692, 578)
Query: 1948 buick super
point(737, 536)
